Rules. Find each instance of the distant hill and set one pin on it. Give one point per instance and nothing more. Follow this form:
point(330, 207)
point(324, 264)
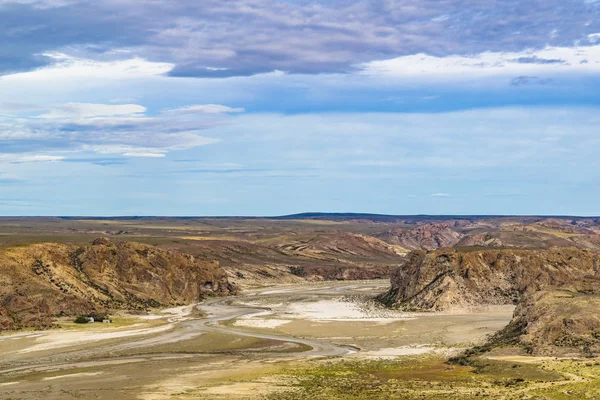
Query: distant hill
point(387, 218)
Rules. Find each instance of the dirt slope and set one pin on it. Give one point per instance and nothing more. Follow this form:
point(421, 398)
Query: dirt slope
point(38, 282)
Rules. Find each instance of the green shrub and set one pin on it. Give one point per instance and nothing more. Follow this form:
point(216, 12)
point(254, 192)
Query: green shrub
point(81, 320)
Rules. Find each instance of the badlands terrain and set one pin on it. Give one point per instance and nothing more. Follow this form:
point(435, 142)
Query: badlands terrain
point(319, 306)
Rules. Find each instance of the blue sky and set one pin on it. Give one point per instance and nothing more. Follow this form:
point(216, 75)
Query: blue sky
point(270, 107)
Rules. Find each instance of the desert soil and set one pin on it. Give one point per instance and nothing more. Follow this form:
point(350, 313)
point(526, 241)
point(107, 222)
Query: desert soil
point(229, 348)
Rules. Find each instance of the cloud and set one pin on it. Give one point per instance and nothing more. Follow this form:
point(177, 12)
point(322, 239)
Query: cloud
point(87, 110)
point(594, 37)
point(206, 109)
point(440, 195)
point(537, 60)
point(29, 158)
point(101, 161)
point(266, 161)
point(61, 66)
point(220, 39)
point(529, 80)
point(65, 130)
point(550, 60)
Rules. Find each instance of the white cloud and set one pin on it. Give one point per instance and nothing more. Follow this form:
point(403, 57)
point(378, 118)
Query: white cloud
point(29, 158)
point(117, 129)
point(440, 195)
point(548, 60)
point(89, 110)
point(127, 151)
point(215, 38)
point(594, 38)
point(69, 68)
point(206, 109)
point(141, 154)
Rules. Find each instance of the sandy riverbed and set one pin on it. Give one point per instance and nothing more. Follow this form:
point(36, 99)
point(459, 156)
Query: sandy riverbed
point(240, 340)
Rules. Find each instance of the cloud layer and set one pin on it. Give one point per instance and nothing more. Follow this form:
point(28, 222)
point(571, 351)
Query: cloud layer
point(215, 38)
point(33, 133)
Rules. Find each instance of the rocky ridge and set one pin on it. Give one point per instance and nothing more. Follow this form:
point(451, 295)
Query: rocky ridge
point(425, 236)
point(554, 289)
point(43, 281)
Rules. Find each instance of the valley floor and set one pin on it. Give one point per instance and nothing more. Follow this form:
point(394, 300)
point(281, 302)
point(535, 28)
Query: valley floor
point(318, 341)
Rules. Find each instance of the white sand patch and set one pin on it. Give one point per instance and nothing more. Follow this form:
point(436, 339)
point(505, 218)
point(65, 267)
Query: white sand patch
point(51, 378)
point(53, 340)
point(9, 383)
point(274, 292)
point(173, 314)
point(149, 317)
point(21, 335)
point(178, 313)
point(335, 310)
point(261, 323)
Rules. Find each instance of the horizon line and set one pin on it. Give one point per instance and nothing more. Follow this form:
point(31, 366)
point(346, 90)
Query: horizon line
point(305, 215)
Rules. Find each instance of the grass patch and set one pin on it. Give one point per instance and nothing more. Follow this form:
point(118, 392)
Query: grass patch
point(431, 378)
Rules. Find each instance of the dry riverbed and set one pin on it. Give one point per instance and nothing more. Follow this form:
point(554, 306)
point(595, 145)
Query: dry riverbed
point(232, 347)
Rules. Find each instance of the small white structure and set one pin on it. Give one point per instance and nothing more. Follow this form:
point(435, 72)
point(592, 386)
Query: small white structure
point(106, 321)
point(91, 319)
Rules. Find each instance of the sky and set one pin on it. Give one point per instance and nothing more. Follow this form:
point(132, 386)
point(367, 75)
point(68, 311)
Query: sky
point(274, 107)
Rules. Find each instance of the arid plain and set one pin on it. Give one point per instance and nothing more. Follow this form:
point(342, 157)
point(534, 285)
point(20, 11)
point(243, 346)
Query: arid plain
point(299, 308)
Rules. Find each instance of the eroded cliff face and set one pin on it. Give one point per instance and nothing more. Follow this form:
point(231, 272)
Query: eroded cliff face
point(426, 236)
point(556, 291)
point(40, 282)
point(555, 323)
point(298, 257)
point(446, 279)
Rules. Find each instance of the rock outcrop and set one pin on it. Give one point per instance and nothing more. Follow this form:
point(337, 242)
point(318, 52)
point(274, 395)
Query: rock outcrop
point(426, 236)
point(446, 279)
point(557, 293)
point(295, 257)
point(40, 282)
point(485, 239)
point(555, 323)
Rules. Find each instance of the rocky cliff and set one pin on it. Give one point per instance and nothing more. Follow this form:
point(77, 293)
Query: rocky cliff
point(556, 292)
point(555, 323)
point(296, 257)
point(426, 236)
point(39, 282)
point(446, 279)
